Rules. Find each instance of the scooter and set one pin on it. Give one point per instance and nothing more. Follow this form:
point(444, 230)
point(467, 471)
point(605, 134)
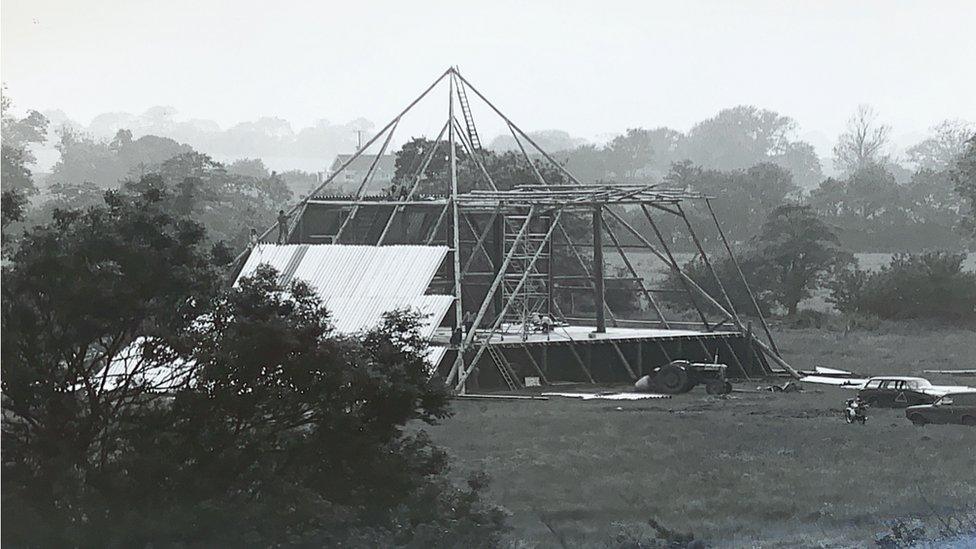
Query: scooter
point(855, 412)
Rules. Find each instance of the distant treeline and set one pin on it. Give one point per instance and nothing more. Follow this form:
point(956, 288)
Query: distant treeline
point(748, 158)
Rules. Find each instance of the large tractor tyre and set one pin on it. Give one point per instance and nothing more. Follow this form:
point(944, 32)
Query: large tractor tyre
point(672, 379)
point(718, 388)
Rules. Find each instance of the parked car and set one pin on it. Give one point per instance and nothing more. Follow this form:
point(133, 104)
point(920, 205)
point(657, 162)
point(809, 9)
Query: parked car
point(952, 408)
point(897, 392)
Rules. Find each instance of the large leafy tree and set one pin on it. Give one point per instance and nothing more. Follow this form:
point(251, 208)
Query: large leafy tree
point(17, 134)
point(799, 251)
point(743, 196)
point(110, 286)
point(940, 150)
point(228, 205)
point(743, 136)
point(106, 164)
point(143, 404)
point(963, 175)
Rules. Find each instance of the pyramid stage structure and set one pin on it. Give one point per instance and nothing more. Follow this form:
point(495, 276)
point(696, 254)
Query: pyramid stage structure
point(501, 248)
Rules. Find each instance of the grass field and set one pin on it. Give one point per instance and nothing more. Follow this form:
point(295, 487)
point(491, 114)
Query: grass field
point(752, 469)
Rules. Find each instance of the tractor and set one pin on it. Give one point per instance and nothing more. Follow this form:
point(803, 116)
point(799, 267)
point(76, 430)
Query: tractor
point(681, 376)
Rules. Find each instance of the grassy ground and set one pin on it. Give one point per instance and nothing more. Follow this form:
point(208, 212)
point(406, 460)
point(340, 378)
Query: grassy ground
point(752, 469)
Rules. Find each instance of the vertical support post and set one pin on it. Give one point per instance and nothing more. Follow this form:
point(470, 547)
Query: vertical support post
point(599, 293)
point(640, 357)
point(456, 239)
point(550, 273)
point(498, 248)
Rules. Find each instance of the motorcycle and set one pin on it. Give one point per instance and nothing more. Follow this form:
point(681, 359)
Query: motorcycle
point(855, 412)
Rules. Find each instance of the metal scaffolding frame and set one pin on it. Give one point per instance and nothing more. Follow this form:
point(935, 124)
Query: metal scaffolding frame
point(519, 265)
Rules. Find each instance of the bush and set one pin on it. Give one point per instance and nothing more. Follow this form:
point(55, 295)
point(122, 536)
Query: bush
point(930, 285)
point(144, 405)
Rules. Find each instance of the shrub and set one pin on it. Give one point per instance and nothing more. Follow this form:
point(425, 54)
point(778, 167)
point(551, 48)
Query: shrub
point(929, 285)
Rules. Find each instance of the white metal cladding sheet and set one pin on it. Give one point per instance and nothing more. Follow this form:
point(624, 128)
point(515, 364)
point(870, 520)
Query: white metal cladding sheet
point(276, 256)
point(370, 271)
point(358, 284)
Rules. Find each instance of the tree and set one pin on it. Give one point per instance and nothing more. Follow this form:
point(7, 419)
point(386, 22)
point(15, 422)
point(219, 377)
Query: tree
point(946, 144)
point(17, 134)
point(76, 295)
point(187, 414)
point(107, 164)
point(248, 167)
point(630, 153)
point(963, 176)
point(227, 205)
point(799, 250)
point(744, 136)
point(863, 143)
point(746, 195)
point(868, 208)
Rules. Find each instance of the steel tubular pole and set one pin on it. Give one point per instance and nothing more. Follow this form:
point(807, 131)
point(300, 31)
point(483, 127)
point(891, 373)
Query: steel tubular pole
point(586, 270)
point(765, 348)
point(742, 277)
point(469, 337)
point(599, 291)
point(525, 275)
point(362, 186)
point(674, 265)
point(708, 263)
point(455, 227)
point(413, 187)
point(519, 130)
point(362, 149)
point(477, 160)
point(480, 243)
point(437, 224)
point(633, 271)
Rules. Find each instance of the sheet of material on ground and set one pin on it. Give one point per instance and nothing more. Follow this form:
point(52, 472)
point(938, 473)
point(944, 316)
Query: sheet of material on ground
point(608, 396)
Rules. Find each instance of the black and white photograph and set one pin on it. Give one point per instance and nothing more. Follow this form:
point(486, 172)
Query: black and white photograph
point(661, 274)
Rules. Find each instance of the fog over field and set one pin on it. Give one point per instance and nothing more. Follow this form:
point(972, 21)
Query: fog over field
point(291, 84)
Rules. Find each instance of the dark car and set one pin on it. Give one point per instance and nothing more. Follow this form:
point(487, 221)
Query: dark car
point(952, 408)
point(897, 392)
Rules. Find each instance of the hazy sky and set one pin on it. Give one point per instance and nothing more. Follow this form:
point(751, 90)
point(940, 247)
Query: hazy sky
point(589, 67)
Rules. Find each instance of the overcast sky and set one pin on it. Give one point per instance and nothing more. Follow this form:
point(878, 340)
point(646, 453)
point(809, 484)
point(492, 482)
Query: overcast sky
point(590, 68)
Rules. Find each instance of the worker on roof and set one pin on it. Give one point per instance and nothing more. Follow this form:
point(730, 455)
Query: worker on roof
point(282, 227)
point(254, 240)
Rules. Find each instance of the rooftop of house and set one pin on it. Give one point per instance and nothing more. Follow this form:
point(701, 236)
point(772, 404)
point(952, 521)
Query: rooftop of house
point(386, 163)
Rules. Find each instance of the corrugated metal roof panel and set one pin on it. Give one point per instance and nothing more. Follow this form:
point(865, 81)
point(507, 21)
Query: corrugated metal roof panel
point(358, 284)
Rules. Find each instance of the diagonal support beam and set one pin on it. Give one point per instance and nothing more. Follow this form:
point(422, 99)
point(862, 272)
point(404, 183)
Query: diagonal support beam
point(640, 280)
point(486, 303)
point(501, 316)
point(691, 282)
point(362, 186)
point(413, 186)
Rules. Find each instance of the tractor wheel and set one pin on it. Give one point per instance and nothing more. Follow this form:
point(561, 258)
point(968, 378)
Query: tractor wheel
point(718, 388)
point(673, 379)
